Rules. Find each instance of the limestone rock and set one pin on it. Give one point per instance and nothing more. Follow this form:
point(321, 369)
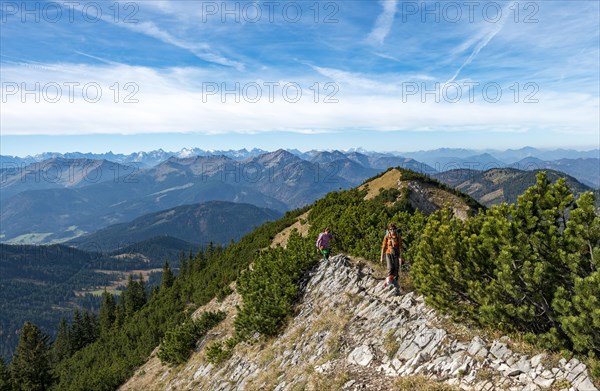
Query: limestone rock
point(362, 355)
point(347, 323)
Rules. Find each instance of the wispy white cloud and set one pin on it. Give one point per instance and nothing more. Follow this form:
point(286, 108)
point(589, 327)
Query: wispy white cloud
point(560, 55)
point(101, 59)
point(170, 100)
point(384, 22)
point(355, 82)
point(483, 41)
point(201, 50)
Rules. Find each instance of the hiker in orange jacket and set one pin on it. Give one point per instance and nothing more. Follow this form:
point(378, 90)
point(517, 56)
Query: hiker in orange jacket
point(391, 247)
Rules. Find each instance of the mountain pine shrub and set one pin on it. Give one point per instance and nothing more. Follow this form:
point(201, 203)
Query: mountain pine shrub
point(269, 286)
point(529, 267)
point(177, 344)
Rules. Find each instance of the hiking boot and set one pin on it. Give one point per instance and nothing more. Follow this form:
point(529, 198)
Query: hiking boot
point(388, 281)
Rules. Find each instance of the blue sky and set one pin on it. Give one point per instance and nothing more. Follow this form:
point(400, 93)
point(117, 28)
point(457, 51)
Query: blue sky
point(382, 75)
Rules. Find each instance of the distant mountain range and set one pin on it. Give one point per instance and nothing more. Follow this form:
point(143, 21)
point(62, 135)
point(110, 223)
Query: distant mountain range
point(430, 157)
point(586, 170)
point(508, 156)
point(499, 185)
point(60, 172)
point(278, 180)
point(583, 165)
point(61, 198)
point(142, 159)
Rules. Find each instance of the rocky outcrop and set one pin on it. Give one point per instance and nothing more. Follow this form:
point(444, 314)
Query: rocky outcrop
point(352, 333)
point(428, 199)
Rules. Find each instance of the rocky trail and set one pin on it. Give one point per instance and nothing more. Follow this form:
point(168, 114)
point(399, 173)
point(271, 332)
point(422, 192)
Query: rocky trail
point(351, 333)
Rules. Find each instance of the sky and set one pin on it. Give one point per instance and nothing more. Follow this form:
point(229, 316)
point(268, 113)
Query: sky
point(94, 76)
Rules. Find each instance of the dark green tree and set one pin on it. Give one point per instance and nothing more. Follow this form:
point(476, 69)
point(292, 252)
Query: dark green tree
point(107, 313)
point(4, 376)
point(135, 296)
point(90, 327)
point(119, 314)
point(167, 277)
point(61, 348)
point(178, 343)
point(183, 263)
point(77, 332)
point(84, 329)
point(30, 367)
point(529, 266)
point(199, 262)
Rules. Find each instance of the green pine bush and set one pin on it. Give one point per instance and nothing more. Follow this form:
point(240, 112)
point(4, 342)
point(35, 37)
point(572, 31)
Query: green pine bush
point(178, 343)
point(530, 267)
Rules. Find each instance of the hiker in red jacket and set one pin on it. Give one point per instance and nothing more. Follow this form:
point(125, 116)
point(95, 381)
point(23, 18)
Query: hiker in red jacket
point(323, 243)
point(391, 246)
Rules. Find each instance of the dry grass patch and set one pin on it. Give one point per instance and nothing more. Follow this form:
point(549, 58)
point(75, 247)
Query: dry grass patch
point(379, 269)
point(295, 335)
point(405, 282)
point(387, 181)
point(266, 357)
point(443, 199)
point(391, 344)
point(255, 347)
point(330, 382)
point(354, 298)
point(421, 383)
point(561, 384)
point(485, 375)
point(301, 225)
point(300, 386)
point(335, 324)
point(267, 380)
point(335, 344)
point(380, 272)
point(462, 332)
point(551, 359)
point(330, 321)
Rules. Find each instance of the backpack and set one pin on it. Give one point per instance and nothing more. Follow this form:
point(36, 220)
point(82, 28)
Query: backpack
point(394, 241)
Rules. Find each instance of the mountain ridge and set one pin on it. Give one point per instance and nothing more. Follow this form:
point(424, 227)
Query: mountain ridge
point(151, 158)
point(501, 184)
point(279, 180)
point(214, 221)
point(350, 334)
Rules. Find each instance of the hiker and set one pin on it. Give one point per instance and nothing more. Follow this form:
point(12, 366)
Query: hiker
point(323, 243)
point(391, 246)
